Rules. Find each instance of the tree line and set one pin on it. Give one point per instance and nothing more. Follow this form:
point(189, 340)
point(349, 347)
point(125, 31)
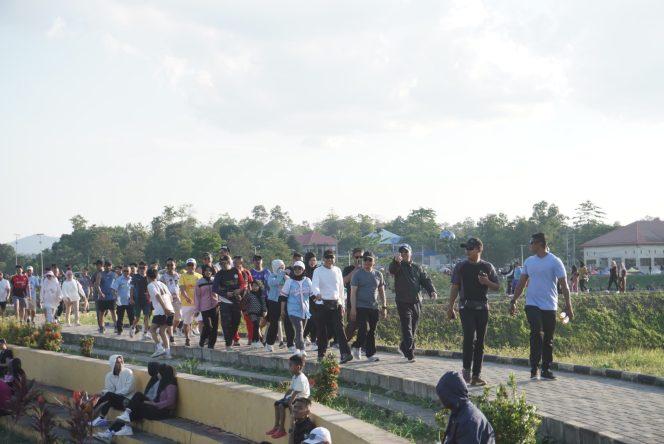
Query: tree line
point(176, 233)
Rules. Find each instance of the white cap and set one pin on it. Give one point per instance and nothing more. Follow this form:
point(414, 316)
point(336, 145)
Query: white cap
point(191, 260)
point(318, 435)
point(298, 264)
point(49, 273)
point(29, 268)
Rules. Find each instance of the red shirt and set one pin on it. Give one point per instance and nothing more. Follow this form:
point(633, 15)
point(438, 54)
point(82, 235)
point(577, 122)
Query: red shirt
point(20, 285)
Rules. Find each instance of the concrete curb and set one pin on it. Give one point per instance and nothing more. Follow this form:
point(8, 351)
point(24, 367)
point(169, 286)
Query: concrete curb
point(639, 378)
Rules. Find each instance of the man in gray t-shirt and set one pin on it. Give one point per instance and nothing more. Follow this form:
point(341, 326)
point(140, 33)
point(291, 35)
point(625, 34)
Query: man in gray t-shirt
point(367, 290)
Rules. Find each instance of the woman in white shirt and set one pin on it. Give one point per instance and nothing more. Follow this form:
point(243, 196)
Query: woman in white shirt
point(72, 291)
point(50, 295)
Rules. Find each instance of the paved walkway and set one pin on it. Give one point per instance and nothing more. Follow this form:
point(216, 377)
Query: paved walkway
point(629, 412)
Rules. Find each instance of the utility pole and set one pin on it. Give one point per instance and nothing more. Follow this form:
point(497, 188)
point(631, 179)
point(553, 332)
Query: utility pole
point(16, 235)
point(41, 253)
point(522, 245)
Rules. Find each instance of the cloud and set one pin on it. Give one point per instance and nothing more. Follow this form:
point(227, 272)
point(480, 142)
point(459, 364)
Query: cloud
point(57, 29)
point(115, 45)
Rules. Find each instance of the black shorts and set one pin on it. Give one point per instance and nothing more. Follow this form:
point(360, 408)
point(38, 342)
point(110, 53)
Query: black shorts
point(162, 320)
point(3, 305)
point(104, 305)
point(285, 401)
point(145, 308)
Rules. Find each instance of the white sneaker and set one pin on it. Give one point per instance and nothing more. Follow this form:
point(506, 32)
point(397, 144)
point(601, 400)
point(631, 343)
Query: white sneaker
point(146, 337)
point(269, 348)
point(302, 353)
point(314, 347)
point(131, 332)
point(356, 353)
point(307, 343)
point(195, 331)
point(124, 417)
point(100, 421)
point(105, 436)
point(373, 358)
point(167, 354)
point(158, 352)
point(126, 430)
point(291, 349)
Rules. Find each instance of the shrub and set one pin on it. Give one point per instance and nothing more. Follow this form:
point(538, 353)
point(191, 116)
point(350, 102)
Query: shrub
point(513, 419)
point(43, 421)
point(324, 383)
point(81, 411)
point(46, 337)
point(86, 345)
point(49, 337)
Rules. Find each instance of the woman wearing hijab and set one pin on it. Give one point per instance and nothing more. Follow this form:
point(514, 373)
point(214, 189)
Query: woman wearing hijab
point(51, 295)
point(207, 304)
point(294, 298)
point(310, 264)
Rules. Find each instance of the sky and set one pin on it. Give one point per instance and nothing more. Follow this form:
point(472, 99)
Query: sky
point(114, 109)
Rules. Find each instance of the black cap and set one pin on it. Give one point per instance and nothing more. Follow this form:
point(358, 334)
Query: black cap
point(368, 254)
point(472, 243)
point(405, 247)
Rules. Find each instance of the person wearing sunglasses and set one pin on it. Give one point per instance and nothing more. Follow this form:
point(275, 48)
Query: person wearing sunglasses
point(471, 281)
point(328, 286)
point(368, 303)
point(409, 279)
point(543, 272)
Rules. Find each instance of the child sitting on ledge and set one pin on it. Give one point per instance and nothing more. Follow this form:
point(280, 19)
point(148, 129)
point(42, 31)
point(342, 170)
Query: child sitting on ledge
point(299, 389)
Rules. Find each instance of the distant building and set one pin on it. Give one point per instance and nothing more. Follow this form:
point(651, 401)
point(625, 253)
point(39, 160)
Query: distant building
point(639, 245)
point(385, 238)
point(317, 243)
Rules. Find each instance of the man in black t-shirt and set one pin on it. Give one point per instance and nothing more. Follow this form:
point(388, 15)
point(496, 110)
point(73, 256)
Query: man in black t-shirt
point(471, 280)
point(302, 424)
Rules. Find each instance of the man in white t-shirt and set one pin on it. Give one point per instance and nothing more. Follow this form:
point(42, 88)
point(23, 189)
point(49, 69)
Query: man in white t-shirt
point(5, 290)
point(172, 280)
point(299, 389)
point(543, 273)
point(162, 314)
point(328, 287)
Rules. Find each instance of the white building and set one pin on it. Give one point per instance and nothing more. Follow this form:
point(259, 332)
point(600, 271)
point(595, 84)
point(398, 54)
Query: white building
point(639, 244)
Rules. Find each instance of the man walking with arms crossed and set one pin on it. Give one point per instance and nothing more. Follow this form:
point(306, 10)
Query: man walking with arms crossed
point(542, 272)
point(409, 278)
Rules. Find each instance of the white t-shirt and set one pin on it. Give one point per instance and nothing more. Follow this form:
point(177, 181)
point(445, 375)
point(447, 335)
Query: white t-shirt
point(4, 286)
point(300, 384)
point(70, 290)
point(154, 288)
point(329, 283)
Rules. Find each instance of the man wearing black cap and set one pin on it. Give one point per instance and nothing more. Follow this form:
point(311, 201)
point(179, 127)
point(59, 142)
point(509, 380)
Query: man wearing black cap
point(471, 279)
point(543, 272)
point(409, 278)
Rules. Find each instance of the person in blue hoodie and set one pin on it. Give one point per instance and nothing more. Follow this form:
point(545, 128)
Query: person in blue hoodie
point(466, 424)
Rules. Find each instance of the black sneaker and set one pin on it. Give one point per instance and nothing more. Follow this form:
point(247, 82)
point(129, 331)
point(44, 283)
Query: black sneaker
point(547, 374)
point(346, 358)
point(186, 342)
point(533, 374)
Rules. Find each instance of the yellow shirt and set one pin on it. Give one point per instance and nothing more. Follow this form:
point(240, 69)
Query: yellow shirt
point(188, 284)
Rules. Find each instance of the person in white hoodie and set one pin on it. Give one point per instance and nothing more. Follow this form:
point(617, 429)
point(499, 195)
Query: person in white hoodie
point(118, 387)
point(51, 295)
point(72, 291)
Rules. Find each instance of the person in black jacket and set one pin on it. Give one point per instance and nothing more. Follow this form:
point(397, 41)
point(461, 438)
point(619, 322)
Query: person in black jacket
point(409, 278)
point(466, 424)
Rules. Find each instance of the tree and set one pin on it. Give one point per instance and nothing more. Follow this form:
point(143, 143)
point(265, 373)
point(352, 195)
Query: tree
point(7, 257)
point(588, 213)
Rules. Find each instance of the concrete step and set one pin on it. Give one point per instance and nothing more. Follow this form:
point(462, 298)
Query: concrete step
point(170, 430)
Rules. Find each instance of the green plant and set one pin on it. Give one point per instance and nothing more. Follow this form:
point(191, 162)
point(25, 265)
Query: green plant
point(86, 345)
point(81, 411)
point(189, 365)
point(513, 419)
point(43, 421)
point(324, 383)
point(24, 395)
point(49, 337)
